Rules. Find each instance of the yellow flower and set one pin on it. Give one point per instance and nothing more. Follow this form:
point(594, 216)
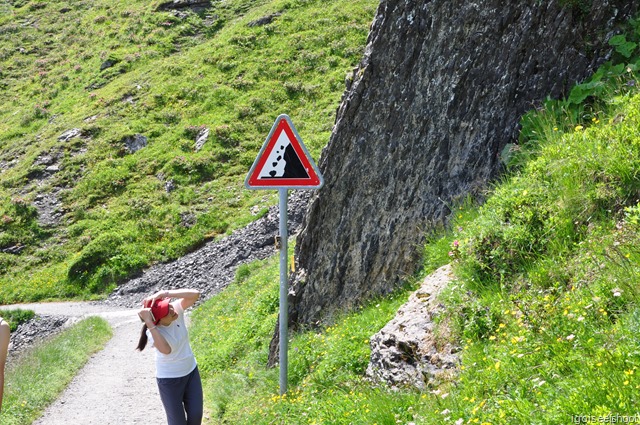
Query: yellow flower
point(578, 128)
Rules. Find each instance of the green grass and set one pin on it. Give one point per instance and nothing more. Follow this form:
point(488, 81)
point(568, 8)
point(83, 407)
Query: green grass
point(39, 375)
point(545, 308)
point(230, 335)
point(168, 78)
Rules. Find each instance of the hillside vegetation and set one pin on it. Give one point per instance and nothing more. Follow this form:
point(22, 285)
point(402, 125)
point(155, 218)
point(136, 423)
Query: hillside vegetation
point(545, 308)
point(85, 84)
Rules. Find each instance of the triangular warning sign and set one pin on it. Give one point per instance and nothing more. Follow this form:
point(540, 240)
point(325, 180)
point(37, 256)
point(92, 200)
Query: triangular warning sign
point(283, 161)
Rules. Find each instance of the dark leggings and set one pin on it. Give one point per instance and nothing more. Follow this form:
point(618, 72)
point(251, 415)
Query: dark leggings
point(182, 396)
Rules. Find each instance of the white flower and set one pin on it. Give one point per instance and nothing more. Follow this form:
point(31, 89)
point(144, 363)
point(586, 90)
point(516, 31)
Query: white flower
point(617, 292)
point(570, 337)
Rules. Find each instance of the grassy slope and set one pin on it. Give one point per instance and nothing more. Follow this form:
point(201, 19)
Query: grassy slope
point(169, 77)
point(545, 309)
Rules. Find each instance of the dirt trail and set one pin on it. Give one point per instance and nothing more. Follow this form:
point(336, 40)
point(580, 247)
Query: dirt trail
point(117, 385)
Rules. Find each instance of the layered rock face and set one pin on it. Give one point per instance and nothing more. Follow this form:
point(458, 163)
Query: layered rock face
point(438, 94)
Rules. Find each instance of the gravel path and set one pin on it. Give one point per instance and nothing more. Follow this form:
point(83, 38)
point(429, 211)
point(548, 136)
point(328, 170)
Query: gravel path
point(117, 385)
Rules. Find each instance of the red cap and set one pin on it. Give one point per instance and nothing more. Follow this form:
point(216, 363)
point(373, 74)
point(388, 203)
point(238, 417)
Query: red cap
point(159, 309)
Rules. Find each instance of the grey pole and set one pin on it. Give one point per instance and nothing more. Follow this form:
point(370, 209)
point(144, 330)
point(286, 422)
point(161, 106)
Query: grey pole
point(284, 290)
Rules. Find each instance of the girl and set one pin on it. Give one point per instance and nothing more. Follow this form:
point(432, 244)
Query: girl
point(4, 348)
point(176, 369)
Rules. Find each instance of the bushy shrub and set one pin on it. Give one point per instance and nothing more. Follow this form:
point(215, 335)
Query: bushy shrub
point(17, 317)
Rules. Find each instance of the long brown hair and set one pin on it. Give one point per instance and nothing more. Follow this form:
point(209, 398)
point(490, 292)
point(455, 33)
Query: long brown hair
point(143, 338)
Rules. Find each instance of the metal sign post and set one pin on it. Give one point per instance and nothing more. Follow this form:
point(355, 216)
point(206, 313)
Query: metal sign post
point(284, 291)
point(283, 163)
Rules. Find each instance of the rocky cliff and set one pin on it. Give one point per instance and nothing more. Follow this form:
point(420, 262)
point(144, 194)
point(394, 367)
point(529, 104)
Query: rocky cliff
point(438, 94)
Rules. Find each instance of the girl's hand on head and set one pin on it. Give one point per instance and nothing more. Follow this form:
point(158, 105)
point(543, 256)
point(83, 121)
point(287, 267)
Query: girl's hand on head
point(146, 316)
point(158, 296)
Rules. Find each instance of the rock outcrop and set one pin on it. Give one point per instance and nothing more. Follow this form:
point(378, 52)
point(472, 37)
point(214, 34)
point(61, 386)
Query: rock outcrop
point(438, 94)
point(407, 352)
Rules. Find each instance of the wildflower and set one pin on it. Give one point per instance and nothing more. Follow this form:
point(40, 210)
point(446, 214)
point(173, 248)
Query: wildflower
point(617, 292)
point(578, 128)
point(570, 337)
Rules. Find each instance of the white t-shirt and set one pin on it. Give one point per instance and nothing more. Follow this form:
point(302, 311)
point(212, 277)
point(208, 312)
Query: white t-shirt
point(181, 361)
